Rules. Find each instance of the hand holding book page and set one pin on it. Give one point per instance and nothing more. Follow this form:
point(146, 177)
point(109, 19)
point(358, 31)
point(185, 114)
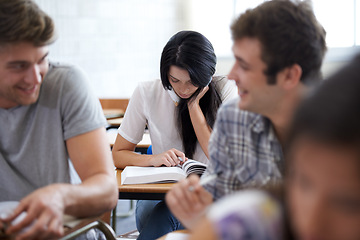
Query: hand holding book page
point(8, 207)
point(141, 175)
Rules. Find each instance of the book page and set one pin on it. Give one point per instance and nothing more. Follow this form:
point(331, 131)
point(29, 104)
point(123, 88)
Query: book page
point(177, 236)
point(142, 175)
point(193, 166)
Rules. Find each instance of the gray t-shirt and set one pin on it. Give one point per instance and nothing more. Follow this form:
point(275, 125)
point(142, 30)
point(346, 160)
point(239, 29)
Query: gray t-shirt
point(33, 150)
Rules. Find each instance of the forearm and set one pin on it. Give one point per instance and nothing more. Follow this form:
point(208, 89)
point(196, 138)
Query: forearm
point(92, 197)
point(202, 129)
point(188, 206)
point(123, 158)
point(203, 230)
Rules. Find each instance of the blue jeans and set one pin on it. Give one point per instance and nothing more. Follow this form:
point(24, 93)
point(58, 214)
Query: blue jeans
point(142, 212)
point(154, 219)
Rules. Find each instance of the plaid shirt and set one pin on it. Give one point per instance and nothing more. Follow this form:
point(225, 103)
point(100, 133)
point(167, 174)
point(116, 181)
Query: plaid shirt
point(244, 147)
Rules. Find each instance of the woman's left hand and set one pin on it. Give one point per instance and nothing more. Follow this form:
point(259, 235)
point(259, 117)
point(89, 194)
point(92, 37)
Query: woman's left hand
point(198, 97)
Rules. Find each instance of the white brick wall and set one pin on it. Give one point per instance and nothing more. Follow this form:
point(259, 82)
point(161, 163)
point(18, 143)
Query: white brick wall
point(117, 42)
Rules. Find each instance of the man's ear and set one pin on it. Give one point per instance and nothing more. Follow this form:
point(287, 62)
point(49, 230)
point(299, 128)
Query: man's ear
point(290, 76)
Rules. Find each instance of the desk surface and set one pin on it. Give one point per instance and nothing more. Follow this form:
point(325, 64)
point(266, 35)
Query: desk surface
point(155, 191)
point(115, 122)
point(111, 113)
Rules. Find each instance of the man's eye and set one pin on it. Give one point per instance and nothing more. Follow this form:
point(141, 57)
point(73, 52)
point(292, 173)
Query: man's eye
point(244, 67)
point(43, 60)
point(18, 66)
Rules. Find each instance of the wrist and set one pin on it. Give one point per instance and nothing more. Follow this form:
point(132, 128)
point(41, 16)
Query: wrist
point(193, 104)
point(66, 194)
point(151, 161)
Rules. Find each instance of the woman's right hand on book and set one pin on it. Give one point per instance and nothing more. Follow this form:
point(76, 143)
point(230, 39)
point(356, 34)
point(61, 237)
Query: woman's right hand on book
point(169, 158)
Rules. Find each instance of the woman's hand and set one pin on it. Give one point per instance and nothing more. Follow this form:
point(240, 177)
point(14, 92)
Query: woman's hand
point(198, 120)
point(192, 102)
point(168, 158)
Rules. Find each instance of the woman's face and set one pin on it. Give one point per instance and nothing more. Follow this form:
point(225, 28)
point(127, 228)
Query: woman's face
point(324, 191)
point(180, 81)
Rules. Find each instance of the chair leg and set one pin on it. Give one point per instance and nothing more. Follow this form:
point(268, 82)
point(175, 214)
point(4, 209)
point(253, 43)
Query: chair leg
point(103, 227)
point(114, 214)
point(128, 213)
point(113, 218)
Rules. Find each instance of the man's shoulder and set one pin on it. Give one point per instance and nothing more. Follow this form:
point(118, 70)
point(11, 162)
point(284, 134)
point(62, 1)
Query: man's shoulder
point(63, 68)
point(65, 75)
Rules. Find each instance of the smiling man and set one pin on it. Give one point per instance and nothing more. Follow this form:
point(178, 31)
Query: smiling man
point(278, 49)
point(23, 67)
point(49, 119)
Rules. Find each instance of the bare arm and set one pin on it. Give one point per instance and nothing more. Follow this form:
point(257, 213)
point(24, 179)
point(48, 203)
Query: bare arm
point(202, 129)
point(203, 231)
point(188, 206)
point(124, 155)
point(96, 194)
point(92, 160)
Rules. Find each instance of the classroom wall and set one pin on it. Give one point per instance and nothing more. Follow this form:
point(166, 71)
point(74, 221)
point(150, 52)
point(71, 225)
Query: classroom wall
point(119, 42)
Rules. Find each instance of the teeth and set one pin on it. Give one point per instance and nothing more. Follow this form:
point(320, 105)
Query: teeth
point(28, 88)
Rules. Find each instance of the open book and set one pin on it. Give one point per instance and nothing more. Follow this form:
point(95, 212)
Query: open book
point(140, 175)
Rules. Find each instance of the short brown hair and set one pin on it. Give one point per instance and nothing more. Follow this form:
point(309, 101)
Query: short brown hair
point(289, 34)
point(23, 20)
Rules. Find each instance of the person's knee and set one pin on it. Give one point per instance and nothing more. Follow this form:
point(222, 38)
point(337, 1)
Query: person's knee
point(142, 212)
point(163, 215)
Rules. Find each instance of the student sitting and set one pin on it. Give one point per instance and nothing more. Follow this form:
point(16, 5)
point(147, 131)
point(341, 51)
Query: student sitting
point(274, 69)
point(179, 110)
point(48, 117)
point(322, 187)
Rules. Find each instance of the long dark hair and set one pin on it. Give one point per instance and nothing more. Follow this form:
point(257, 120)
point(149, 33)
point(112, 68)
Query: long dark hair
point(193, 52)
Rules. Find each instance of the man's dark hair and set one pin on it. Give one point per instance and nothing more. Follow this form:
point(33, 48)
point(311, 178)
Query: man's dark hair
point(23, 20)
point(289, 34)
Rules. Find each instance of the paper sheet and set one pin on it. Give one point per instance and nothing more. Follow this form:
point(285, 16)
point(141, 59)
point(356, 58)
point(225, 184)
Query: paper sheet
point(177, 236)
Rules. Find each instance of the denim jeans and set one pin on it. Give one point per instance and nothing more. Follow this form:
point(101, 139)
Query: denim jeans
point(154, 219)
point(142, 212)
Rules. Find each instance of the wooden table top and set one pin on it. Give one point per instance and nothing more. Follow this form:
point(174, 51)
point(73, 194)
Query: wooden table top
point(115, 122)
point(111, 113)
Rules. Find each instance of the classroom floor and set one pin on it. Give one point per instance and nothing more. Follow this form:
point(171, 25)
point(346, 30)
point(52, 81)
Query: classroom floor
point(125, 224)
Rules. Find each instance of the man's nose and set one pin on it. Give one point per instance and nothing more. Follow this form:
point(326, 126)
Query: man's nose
point(33, 75)
point(232, 74)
